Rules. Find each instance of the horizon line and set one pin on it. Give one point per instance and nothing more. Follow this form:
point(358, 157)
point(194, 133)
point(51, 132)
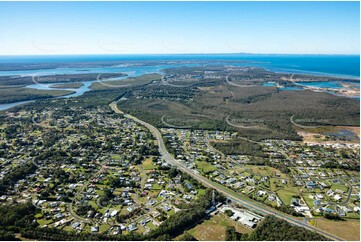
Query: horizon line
point(195, 53)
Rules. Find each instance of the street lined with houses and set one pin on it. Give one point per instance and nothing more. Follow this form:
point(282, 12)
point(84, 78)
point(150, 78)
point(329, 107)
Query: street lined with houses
point(227, 192)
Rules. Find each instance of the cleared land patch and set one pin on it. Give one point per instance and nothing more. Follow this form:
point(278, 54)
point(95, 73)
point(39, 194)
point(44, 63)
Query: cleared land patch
point(348, 230)
point(215, 227)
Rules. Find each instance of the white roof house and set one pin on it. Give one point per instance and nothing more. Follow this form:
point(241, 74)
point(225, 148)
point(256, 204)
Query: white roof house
point(113, 213)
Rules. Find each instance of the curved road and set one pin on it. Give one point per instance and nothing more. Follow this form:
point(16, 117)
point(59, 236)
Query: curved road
point(224, 190)
point(241, 126)
point(237, 85)
point(301, 126)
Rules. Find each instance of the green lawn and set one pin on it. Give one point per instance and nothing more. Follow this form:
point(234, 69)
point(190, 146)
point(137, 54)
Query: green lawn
point(43, 222)
point(353, 215)
point(103, 228)
point(339, 187)
point(205, 166)
point(116, 157)
point(148, 164)
point(201, 192)
point(68, 228)
point(38, 215)
point(171, 212)
point(308, 200)
point(286, 195)
point(156, 187)
point(151, 225)
point(94, 204)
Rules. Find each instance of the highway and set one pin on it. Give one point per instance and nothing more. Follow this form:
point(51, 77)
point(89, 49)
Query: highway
point(247, 203)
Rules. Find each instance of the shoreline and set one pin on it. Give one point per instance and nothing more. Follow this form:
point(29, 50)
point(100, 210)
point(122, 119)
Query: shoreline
point(318, 74)
point(96, 61)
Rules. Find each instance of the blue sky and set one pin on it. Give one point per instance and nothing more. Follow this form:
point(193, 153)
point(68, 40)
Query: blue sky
point(179, 27)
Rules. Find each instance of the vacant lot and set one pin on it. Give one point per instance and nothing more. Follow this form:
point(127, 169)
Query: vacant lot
point(214, 228)
point(262, 171)
point(205, 166)
point(286, 194)
point(348, 230)
point(148, 164)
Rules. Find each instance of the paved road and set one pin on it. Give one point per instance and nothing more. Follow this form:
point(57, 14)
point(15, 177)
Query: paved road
point(70, 205)
point(349, 194)
point(224, 190)
point(76, 216)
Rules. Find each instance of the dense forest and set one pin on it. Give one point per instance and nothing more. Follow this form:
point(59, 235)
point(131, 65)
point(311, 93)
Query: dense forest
point(206, 105)
point(239, 147)
point(15, 175)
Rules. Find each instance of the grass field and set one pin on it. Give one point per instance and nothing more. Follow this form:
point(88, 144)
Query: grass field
point(201, 192)
point(308, 200)
point(214, 228)
point(148, 164)
point(103, 228)
point(116, 157)
point(285, 194)
point(43, 222)
point(151, 225)
point(312, 222)
point(273, 183)
point(205, 166)
point(339, 187)
point(94, 205)
point(265, 171)
point(348, 230)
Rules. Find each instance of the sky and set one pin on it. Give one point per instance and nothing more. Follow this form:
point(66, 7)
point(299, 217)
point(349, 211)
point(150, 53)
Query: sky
point(51, 28)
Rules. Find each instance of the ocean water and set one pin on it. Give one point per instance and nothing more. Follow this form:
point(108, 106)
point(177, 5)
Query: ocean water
point(334, 65)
